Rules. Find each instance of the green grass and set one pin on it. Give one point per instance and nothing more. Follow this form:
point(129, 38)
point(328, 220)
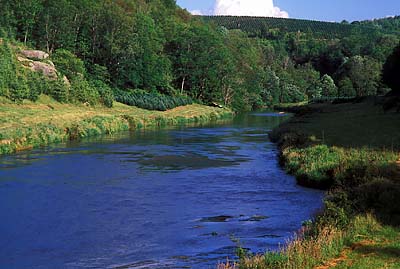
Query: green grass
point(365, 244)
point(326, 166)
point(34, 124)
point(370, 246)
point(351, 125)
point(354, 150)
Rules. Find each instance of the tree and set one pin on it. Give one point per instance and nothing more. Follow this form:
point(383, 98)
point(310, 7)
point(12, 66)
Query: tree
point(391, 70)
point(68, 64)
point(271, 91)
point(363, 72)
point(291, 94)
point(346, 88)
point(25, 13)
point(328, 87)
point(202, 63)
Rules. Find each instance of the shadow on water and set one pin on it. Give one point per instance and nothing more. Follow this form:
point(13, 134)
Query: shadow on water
point(167, 198)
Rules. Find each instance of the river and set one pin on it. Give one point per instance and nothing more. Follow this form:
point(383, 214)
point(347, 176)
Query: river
point(181, 197)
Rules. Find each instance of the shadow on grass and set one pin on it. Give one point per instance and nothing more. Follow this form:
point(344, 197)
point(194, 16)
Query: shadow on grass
point(349, 125)
point(386, 252)
point(380, 195)
point(353, 147)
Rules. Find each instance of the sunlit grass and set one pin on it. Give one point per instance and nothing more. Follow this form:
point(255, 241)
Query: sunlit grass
point(34, 124)
point(364, 244)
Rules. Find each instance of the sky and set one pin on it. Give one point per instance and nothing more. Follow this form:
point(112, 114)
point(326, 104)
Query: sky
point(324, 10)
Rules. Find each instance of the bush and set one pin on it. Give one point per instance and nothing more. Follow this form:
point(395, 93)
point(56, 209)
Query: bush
point(37, 85)
point(81, 91)
point(106, 94)
point(58, 90)
point(68, 64)
point(151, 101)
point(18, 88)
point(292, 94)
point(346, 88)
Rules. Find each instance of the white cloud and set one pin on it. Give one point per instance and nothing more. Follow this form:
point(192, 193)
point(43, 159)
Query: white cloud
point(257, 8)
point(196, 12)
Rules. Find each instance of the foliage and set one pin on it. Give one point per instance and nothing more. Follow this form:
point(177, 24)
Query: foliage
point(68, 64)
point(58, 90)
point(363, 72)
point(241, 62)
point(151, 101)
point(273, 27)
point(346, 88)
point(328, 86)
point(105, 92)
point(391, 70)
point(291, 94)
point(81, 91)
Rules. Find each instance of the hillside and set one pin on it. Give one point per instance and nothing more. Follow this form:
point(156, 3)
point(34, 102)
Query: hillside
point(265, 27)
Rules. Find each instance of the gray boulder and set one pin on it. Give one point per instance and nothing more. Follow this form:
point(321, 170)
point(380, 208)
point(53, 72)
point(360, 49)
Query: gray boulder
point(35, 54)
point(46, 69)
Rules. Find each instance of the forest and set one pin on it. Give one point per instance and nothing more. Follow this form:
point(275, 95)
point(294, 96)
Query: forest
point(155, 55)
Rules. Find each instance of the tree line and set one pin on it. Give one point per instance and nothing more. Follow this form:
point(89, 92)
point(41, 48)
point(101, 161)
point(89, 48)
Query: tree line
point(126, 47)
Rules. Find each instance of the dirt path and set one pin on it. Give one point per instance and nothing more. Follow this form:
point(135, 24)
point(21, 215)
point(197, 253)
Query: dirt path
point(344, 255)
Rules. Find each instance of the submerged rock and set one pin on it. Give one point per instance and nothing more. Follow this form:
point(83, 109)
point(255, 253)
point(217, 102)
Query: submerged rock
point(253, 218)
point(221, 218)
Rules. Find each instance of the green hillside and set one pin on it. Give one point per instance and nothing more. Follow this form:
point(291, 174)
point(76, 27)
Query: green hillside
point(267, 27)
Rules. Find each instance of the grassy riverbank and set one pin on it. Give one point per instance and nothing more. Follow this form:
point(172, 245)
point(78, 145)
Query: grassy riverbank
point(34, 124)
point(353, 150)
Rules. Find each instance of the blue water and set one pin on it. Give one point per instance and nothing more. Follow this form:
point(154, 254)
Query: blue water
point(168, 198)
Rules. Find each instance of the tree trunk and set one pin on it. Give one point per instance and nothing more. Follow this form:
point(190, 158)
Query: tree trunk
point(26, 37)
point(183, 85)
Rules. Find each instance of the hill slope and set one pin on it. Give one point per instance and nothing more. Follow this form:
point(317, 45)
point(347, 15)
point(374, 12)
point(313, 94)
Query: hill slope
point(265, 27)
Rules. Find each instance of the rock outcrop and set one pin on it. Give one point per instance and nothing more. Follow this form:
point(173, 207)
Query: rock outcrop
point(33, 59)
point(47, 69)
point(35, 54)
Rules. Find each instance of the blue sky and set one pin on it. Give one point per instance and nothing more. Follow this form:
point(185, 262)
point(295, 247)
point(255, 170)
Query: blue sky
point(326, 10)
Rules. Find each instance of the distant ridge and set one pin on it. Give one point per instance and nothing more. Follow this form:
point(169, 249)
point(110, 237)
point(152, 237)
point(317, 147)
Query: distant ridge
point(265, 26)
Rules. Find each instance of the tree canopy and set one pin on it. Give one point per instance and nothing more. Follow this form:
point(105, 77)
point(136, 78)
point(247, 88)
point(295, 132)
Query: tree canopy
point(155, 46)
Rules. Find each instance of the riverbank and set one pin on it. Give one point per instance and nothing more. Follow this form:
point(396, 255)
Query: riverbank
point(36, 124)
point(352, 150)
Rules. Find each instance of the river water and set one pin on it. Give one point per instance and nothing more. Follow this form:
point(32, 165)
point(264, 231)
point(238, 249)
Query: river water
point(168, 198)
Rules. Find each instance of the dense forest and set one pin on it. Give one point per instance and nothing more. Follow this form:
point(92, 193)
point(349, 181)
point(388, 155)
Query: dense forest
point(153, 54)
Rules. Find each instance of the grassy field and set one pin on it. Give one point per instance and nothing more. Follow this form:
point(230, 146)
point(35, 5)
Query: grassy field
point(352, 150)
point(28, 125)
point(349, 125)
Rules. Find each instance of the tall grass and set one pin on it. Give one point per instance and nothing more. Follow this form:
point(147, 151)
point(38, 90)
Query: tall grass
point(325, 166)
point(313, 247)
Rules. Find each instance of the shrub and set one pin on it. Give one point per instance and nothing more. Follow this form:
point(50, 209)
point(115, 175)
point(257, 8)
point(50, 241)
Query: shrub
point(105, 92)
point(328, 86)
point(58, 90)
point(68, 64)
point(37, 85)
point(292, 94)
point(82, 91)
point(346, 88)
point(151, 101)
point(18, 88)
